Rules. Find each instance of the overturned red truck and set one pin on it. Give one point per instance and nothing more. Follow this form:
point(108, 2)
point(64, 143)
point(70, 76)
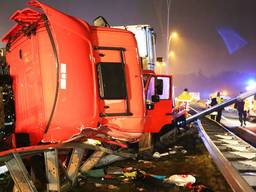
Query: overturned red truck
point(69, 78)
point(65, 81)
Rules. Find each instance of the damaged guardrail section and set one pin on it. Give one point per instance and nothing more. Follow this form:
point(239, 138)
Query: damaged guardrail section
point(61, 175)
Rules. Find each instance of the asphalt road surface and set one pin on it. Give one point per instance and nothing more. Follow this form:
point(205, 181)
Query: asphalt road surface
point(247, 133)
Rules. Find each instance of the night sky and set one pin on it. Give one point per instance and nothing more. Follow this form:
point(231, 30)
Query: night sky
point(202, 61)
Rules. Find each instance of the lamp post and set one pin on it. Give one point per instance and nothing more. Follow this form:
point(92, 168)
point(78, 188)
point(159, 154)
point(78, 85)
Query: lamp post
point(168, 2)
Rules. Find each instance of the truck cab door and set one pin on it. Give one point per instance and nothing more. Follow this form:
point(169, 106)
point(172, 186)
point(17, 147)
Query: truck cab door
point(112, 82)
point(159, 103)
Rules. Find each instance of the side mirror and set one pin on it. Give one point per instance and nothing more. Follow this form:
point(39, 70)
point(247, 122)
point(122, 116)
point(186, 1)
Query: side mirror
point(155, 98)
point(159, 87)
point(150, 106)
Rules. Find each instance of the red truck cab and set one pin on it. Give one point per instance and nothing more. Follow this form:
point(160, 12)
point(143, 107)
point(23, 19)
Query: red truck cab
point(69, 77)
point(158, 93)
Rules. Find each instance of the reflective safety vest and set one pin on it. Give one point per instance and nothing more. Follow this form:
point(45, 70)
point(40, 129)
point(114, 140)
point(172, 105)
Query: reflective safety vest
point(247, 105)
point(184, 96)
point(219, 100)
point(183, 100)
point(254, 105)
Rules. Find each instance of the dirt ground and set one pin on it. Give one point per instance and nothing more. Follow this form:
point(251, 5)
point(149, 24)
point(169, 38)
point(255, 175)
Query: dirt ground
point(191, 157)
point(187, 156)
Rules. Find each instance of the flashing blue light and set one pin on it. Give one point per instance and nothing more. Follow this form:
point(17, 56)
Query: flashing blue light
point(251, 84)
point(232, 39)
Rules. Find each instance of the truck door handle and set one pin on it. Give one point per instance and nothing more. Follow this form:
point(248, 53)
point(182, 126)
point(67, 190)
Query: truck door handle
point(106, 107)
point(168, 114)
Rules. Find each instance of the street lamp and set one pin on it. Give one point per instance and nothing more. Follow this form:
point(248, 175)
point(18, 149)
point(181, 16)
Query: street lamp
point(171, 54)
point(174, 35)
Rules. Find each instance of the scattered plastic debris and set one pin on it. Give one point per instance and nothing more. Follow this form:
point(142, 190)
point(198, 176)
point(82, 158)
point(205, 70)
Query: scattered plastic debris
point(157, 155)
point(114, 171)
point(172, 152)
point(108, 177)
point(3, 169)
point(178, 147)
point(159, 177)
point(184, 151)
point(112, 187)
point(181, 180)
point(126, 180)
point(145, 162)
point(95, 173)
point(154, 174)
point(130, 172)
point(108, 159)
point(98, 185)
point(140, 189)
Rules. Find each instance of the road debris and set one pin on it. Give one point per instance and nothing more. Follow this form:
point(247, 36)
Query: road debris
point(113, 187)
point(181, 180)
point(184, 151)
point(95, 173)
point(158, 155)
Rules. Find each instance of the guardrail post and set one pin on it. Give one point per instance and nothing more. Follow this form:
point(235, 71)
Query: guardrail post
point(20, 174)
point(92, 161)
point(52, 170)
point(74, 163)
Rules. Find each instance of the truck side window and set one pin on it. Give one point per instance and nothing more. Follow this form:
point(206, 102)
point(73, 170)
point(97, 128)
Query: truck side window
point(111, 81)
point(151, 89)
point(166, 88)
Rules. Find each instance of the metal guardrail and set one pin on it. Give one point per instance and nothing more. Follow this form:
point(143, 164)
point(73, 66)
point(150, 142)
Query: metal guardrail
point(54, 170)
point(25, 151)
point(237, 179)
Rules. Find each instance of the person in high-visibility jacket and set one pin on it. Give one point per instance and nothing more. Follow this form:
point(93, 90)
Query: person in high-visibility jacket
point(247, 105)
point(184, 99)
point(247, 108)
point(219, 112)
point(213, 102)
point(242, 107)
